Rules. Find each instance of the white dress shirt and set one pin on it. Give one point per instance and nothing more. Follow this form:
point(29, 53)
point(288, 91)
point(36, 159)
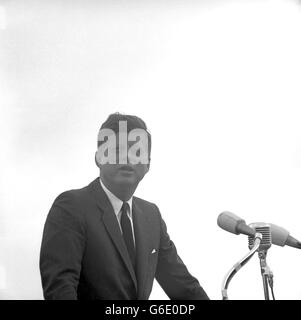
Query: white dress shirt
point(117, 204)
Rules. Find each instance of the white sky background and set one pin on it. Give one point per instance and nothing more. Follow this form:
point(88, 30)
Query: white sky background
point(218, 84)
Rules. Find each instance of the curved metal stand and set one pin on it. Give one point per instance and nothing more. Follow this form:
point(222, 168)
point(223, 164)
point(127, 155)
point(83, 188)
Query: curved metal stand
point(266, 273)
point(238, 265)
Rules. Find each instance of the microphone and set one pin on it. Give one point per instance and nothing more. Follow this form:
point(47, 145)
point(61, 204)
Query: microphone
point(234, 224)
point(281, 237)
point(265, 230)
point(273, 234)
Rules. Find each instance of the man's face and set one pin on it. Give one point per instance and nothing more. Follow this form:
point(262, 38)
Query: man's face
point(123, 171)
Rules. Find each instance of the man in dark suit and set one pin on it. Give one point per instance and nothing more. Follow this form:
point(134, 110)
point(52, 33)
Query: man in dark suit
point(101, 242)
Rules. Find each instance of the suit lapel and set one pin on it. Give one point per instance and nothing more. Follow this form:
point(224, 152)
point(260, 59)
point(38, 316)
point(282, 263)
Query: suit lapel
point(111, 224)
point(143, 225)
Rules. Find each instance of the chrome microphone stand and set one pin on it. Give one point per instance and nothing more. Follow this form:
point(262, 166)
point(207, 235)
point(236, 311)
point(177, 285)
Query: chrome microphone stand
point(266, 273)
point(238, 265)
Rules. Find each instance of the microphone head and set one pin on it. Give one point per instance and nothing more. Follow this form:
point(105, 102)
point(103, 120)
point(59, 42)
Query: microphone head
point(265, 230)
point(281, 237)
point(234, 224)
point(229, 221)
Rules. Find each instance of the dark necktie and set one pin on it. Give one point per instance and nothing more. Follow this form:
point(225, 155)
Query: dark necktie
point(127, 232)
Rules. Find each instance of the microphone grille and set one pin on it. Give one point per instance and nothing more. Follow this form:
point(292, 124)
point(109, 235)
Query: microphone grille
point(265, 230)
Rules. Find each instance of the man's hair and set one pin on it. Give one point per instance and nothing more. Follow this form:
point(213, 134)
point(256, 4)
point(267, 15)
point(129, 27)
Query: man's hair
point(133, 122)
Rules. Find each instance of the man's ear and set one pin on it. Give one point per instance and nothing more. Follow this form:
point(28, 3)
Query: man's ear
point(96, 162)
point(148, 166)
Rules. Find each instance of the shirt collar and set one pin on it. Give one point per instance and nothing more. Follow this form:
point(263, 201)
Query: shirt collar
point(116, 202)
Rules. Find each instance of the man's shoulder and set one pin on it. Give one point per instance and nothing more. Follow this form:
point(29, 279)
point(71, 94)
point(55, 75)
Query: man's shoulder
point(144, 204)
point(75, 196)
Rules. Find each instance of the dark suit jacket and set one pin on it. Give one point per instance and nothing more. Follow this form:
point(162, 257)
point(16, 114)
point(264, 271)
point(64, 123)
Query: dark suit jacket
point(83, 255)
